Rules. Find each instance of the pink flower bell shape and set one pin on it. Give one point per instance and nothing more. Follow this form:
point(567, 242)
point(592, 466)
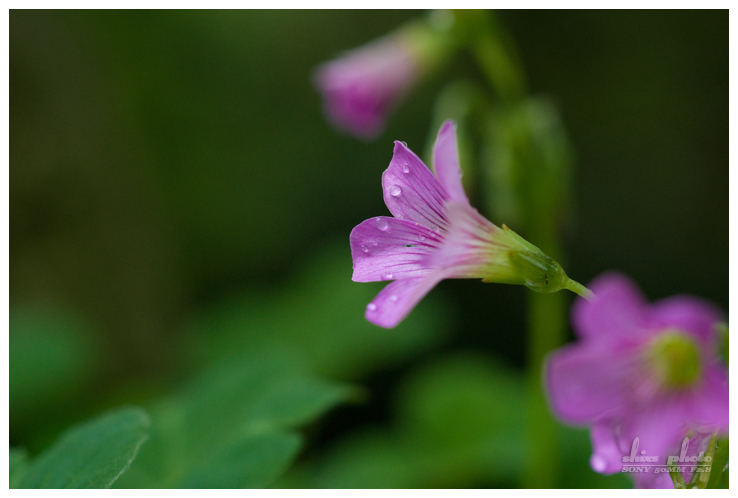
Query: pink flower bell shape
point(639, 370)
point(364, 85)
point(436, 234)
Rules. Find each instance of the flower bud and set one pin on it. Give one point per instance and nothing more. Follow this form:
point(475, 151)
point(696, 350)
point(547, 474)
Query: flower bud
point(364, 85)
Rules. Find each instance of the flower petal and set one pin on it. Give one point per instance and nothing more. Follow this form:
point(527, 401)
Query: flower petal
point(386, 248)
point(584, 383)
point(709, 406)
point(607, 450)
point(616, 312)
point(411, 192)
point(659, 426)
point(689, 314)
point(446, 163)
point(396, 300)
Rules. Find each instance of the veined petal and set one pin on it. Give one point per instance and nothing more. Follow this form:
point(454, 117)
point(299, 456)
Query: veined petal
point(688, 314)
point(396, 300)
point(616, 312)
point(446, 163)
point(584, 383)
point(412, 192)
point(474, 247)
point(386, 248)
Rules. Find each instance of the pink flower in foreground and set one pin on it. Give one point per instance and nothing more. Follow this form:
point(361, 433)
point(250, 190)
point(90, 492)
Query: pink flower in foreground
point(436, 234)
point(362, 87)
point(640, 371)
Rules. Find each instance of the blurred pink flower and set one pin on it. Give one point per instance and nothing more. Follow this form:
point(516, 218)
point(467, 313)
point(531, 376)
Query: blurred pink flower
point(364, 85)
point(642, 371)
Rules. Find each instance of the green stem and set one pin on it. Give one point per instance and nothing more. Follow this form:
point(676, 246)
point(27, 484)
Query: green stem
point(579, 289)
point(546, 331)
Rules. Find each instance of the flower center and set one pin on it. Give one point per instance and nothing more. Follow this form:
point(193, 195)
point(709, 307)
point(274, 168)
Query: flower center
point(675, 358)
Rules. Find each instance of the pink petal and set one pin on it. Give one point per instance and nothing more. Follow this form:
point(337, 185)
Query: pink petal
point(386, 248)
point(396, 300)
point(584, 383)
point(659, 427)
point(686, 313)
point(607, 450)
point(446, 163)
point(411, 192)
point(468, 245)
point(617, 312)
point(709, 406)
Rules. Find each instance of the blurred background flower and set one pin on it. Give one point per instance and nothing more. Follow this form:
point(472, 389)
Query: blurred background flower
point(177, 198)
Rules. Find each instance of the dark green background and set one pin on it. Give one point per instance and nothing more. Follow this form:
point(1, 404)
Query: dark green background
point(162, 161)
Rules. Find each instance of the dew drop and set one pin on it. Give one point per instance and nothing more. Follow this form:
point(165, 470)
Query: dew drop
point(395, 190)
point(365, 248)
point(382, 224)
point(404, 143)
point(405, 169)
point(598, 463)
point(374, 243)
point(387, 276)
point(434, 227)
point(371, 306)
point(421, 238)
point(394, 299)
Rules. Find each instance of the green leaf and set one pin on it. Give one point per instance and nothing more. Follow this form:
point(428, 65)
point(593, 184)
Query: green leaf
point(91, 455)
point(458, 424)
point(52, 352)
point(230, 426)
point(252, 461)
point(18, 461)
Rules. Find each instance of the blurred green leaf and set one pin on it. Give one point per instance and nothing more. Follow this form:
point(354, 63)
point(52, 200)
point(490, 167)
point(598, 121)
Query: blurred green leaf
point(576, 450)
point(90, 455)
point(230, 426)
point(322, 315)
point(251, 461)
point(458, 425)
point(18, 463)
point(51, 354)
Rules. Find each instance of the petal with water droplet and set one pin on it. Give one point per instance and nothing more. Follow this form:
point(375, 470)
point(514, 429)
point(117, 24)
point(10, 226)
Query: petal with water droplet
point(422, 196)
point(398, 250)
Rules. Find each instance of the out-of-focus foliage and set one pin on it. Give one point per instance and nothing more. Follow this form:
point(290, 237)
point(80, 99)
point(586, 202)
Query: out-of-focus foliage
point(89, 455)
point(232, 426)
point(319, 313)
point(457, 424)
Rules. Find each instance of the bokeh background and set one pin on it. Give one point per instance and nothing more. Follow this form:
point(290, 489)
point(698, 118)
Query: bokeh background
point(177, 197)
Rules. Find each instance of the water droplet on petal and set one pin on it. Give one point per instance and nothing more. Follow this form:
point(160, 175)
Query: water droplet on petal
point(404, 143)
point(421, 238)
point(387, 276)
point(365, 248)
point(382, 224)
point(405, 169)
point(434, 227)
point(371, 306)
point(598, 463)
point(374, 243)
point(394, 299)
point(395, 190)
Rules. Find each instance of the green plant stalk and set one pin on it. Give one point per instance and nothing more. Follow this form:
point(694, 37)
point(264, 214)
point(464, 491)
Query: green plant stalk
point(547, 317)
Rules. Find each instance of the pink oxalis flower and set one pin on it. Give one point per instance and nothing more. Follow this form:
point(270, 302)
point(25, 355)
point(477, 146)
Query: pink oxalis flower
point(436, 234)
point(363, 86)
point(642, 371)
